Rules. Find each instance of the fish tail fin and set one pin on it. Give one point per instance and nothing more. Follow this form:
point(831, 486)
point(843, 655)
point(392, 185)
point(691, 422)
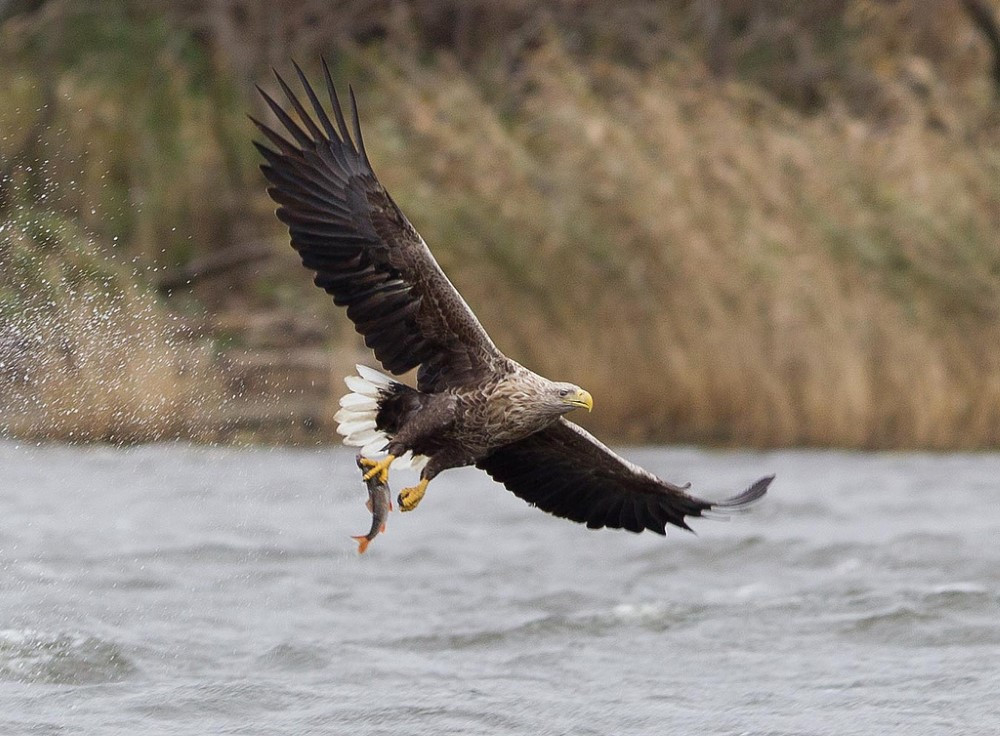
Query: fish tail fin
point(363, 542)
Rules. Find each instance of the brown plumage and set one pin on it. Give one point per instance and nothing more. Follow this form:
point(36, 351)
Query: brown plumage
point(472, 405)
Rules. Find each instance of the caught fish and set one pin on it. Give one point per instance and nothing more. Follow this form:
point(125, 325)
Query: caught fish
point(379, 503)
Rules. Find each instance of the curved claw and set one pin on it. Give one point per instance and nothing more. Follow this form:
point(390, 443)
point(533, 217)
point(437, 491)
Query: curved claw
point(410, 497)
point(378, 468)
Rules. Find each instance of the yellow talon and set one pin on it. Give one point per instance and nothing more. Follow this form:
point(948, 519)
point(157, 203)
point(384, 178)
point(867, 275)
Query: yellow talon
point(410, 497)
point(379, 468)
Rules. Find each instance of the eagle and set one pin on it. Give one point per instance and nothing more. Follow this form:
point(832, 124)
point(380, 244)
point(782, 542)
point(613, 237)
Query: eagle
point(472, 405)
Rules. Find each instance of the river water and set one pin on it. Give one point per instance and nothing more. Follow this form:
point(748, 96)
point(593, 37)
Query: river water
point(188, 590)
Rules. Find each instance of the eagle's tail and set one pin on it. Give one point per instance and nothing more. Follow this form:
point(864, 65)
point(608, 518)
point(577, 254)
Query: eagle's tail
point(359, 412)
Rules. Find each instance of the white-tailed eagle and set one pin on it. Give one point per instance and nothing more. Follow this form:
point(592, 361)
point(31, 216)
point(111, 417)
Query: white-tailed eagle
point(472, 405)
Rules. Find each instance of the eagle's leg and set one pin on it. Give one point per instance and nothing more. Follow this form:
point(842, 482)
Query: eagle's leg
point(377, 467)
point(410, 497)
point(453, 457)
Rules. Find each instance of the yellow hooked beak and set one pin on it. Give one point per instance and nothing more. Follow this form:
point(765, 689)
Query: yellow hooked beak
point(581, 399)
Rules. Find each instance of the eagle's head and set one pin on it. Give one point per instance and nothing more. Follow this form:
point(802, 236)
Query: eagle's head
point(565, 397)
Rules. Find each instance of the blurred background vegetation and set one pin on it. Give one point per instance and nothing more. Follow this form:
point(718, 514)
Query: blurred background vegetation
point(755, 222)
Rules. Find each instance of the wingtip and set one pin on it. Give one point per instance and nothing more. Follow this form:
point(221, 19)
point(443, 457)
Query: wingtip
point(356, 119)
point(749, 497)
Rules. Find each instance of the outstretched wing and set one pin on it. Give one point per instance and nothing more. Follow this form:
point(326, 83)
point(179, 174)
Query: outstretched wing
point(567, 472)
point(363, 249)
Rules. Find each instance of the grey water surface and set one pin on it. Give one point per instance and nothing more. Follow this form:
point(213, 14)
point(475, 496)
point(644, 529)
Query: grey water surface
point(188, 590)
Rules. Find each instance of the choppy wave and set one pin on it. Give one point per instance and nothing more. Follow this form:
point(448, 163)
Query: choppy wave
point(833, 608)
point(61, 658)
point(650, 616)
point(290, 657)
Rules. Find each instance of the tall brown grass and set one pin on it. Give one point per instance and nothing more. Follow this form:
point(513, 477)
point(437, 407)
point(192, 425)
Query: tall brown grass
point(723, 245)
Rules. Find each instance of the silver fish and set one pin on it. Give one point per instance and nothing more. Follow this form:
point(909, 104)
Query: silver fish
point(379, 503)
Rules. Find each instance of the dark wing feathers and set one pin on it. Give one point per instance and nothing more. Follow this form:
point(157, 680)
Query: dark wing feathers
point(565, 471)
point(364, 251)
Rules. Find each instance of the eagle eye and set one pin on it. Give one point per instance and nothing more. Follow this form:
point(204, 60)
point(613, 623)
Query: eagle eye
point(564, 392)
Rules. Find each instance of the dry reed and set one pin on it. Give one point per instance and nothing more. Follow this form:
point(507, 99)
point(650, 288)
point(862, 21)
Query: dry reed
point(715, 263)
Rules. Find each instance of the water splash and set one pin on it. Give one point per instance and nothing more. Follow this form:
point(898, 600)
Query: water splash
point(86, 353)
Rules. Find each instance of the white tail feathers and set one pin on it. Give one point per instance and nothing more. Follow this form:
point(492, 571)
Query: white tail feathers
point(358, 410)
point(361, 387)
point(374, 377)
